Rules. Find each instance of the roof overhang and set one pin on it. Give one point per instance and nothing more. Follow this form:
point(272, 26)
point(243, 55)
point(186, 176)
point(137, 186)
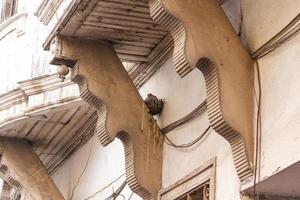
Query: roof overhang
point(50, 114)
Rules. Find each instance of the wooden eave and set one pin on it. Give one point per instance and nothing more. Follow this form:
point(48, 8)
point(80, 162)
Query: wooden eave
point(125, 24)
point(50, 114)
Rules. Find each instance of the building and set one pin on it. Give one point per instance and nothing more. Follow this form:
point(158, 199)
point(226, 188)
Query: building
point(78, 79)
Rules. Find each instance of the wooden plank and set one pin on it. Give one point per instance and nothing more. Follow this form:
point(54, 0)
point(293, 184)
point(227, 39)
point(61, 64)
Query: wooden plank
point(106, 34)
point(119, 27)
point(132, 2)
point(76, 118)
point(120, 11)
point(63, 135)
point(133, 43)
point(134, 8)
point(132, 48)
point(124, 22)
point(123, 17)
point(131, 52)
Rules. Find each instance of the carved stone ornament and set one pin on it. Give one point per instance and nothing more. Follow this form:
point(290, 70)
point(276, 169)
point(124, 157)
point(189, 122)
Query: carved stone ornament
point(204, 39)
point(105, 84)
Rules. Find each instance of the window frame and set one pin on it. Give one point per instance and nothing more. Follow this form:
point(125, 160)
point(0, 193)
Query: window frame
point(204, 175)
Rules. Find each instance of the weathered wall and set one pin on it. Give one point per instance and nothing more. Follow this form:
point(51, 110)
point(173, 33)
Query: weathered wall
point(181, 97)
point(280, 113)
point(280, 81)
point(21, 54)
point(101, 170)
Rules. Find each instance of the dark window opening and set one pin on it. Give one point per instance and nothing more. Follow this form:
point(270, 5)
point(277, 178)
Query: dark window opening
point(200, 193)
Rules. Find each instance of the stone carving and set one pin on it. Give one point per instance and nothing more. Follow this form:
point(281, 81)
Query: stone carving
point(106, 85)
point(204, 38)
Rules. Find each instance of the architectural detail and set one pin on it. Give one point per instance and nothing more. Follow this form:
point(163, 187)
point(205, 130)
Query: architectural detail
point(210, 43)
point(140, 73)
point(47, 9)
point(217, 121)
point(172, 24)
point(105, 84)
point(14, 23)
point(203, 175)
point(12, 182)
point(19, 157)
point(50, 114)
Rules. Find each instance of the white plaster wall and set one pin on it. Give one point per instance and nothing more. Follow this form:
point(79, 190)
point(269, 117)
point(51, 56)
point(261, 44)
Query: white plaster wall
point(104, 165)
point(182, 96)
point(280, 74)
point(21, 53)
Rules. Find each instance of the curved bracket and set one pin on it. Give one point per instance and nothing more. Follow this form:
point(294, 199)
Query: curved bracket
point(19, 157)
point(106, 85)
point(204, 38)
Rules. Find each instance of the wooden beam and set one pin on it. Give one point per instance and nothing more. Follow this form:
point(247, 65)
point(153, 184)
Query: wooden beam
point(204, 39)
point(20, 158)
point(105, 84)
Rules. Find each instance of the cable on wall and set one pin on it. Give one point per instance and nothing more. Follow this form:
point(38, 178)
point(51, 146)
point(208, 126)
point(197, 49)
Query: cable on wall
point(258, 133)
point(192, 115)
point(286, 34)
point(84, 169)
point(170, 143)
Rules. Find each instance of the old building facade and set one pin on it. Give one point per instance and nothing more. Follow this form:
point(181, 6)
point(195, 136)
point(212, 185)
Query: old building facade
point(75, 120)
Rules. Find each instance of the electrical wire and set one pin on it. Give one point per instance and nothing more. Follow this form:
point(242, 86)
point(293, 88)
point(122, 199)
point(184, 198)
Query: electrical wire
point(258, 133)
point(286, 34)
point(107, 186)
point(131, 195)
point(170, 143)
point(117, 193)
point(84, 169)
point(195, 113)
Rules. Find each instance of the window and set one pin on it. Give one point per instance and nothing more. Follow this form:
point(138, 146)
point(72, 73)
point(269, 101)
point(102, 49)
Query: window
point(198, 185)
point(201, 193)
point(8, 9)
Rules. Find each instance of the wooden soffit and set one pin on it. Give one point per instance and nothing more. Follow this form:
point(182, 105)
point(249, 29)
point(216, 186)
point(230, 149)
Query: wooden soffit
point(125, 24)
point(50, 114)
point(205, 39)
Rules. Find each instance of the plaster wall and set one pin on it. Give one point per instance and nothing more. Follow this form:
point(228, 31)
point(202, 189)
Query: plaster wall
point(181, 97)
point(21, 53)
point(96, 170)
point(280, 109)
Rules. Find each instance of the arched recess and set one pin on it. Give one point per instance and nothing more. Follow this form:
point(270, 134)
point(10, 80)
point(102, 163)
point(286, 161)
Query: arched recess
point(204, 39)
point(105, 84)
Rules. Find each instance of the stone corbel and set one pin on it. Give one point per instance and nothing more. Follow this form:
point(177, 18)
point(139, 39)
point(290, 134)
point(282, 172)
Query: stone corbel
point(19, 157)
point(204, 39)
point(105, 84)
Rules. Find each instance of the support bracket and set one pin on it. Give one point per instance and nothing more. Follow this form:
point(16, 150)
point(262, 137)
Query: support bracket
point(19, 157)
point(204, 39)
point(105, 84)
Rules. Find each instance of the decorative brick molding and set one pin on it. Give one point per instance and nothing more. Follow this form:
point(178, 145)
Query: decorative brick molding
point(106, 85)
point(236, 141)
point(204, 38)
point(176, 28)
